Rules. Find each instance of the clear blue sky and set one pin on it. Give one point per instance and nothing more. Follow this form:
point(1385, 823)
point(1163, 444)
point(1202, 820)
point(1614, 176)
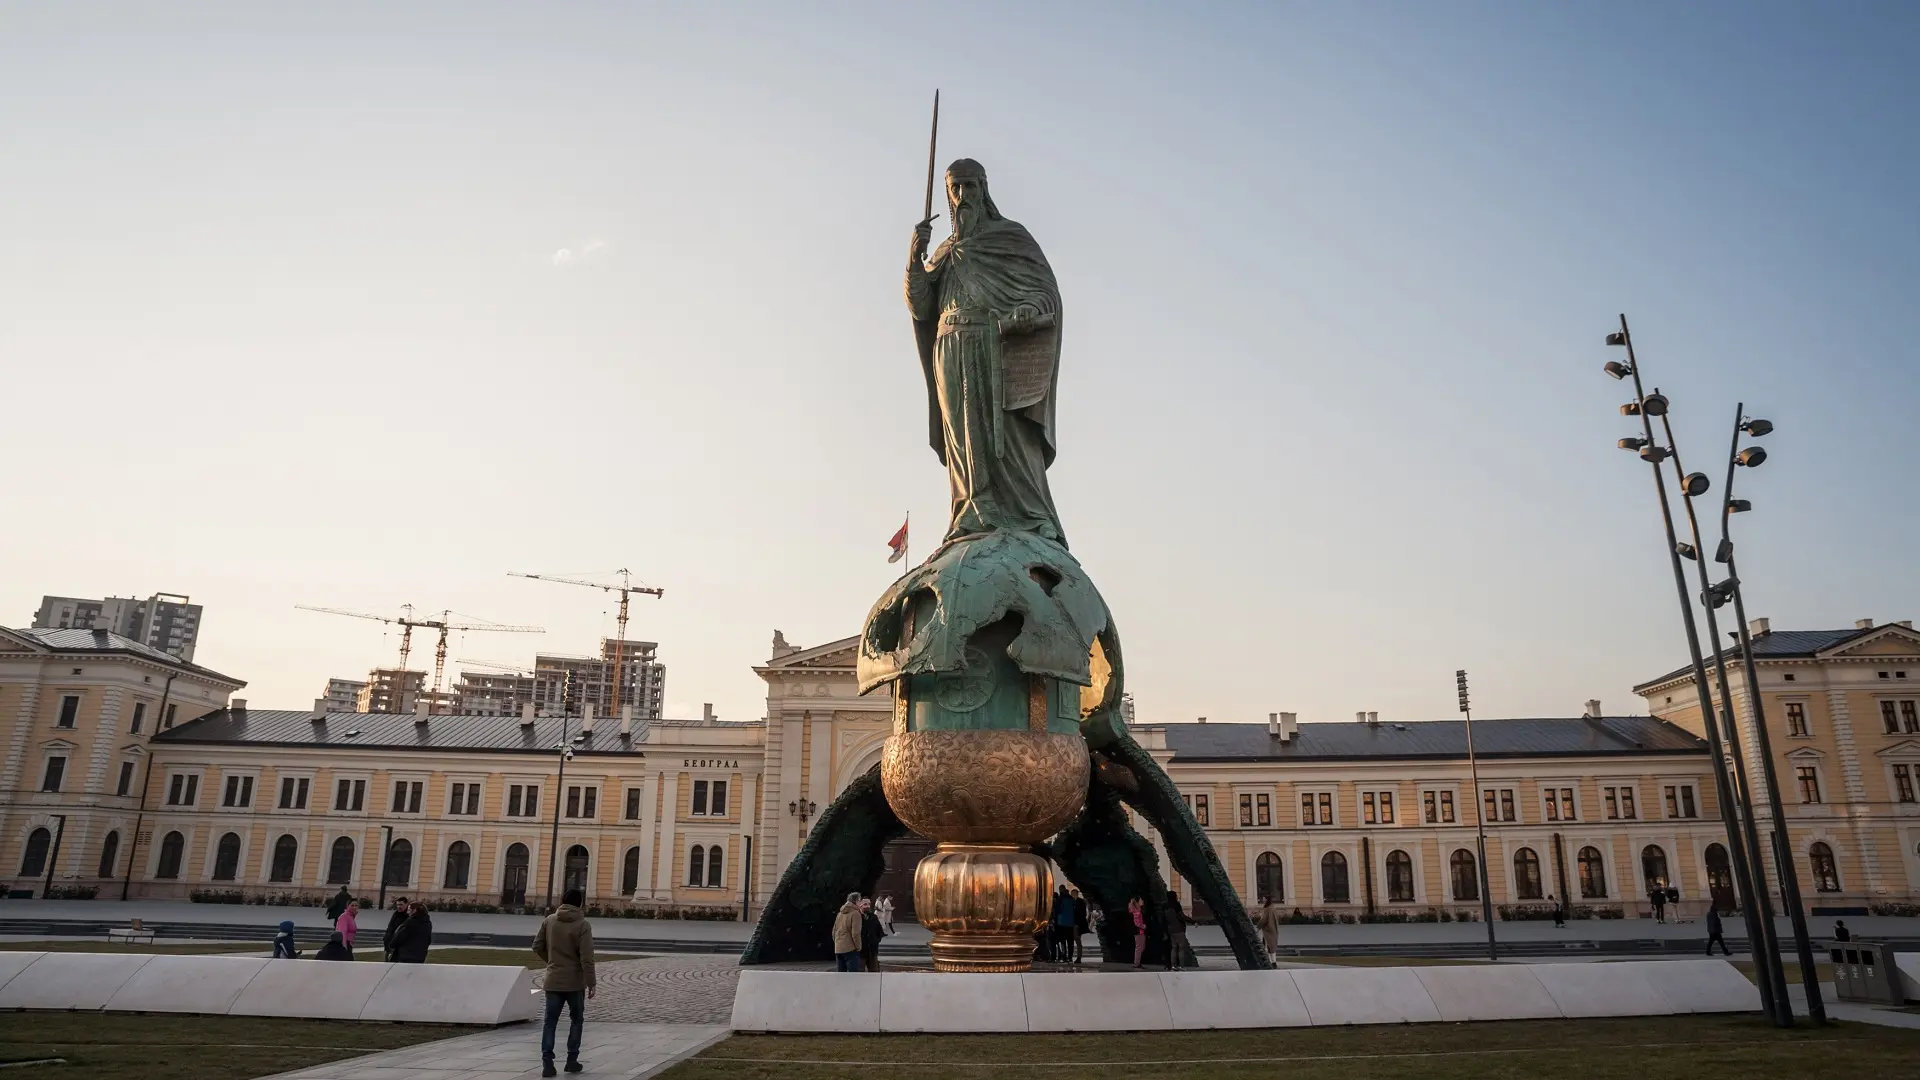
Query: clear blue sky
point(283, 320)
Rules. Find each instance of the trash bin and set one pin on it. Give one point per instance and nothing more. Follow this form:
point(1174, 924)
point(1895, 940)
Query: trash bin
point(1864, 971)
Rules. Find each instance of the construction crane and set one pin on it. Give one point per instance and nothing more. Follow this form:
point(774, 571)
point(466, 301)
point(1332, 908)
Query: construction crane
point(626, 588)
point(407, 622)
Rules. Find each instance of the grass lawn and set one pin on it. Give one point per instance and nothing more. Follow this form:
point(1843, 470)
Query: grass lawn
point(1824, 970)
point(106, 1046)
point(1629, 1049)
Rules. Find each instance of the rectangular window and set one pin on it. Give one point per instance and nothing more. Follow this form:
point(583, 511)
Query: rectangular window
point(406, 797)
point(126, 779)
point(1200, 813)
point(1506, 804)
point(1246, 811)
point(1326, 808)
point(1903, 783)
point(56, 771)
point(1430, 806)
point(1910, 717)
point(1446, 807)
point(69, 710)
point(531, 808)
point(1796, 718)
point(1809, 783)
point(239, 792)
point(1386, 808)
point(633, 804)
point(139, 716)
point(1492, 805)
point(700, 798)
point(293, 793)
point(1626, 804)
point(1566, 804)
point(1366, 807)
point(1553, 804)
point(581, 802)
point(1887, 719)
point(473, 800)
point(183, 789)
point(588, 799)
point(1316, 808)
point(463, 799)
point(350, 795)
point(1686, 802)
point(718, 807)
point(1613, 805)
point(573, 802)
point(1306, 810)
point(1263, 808)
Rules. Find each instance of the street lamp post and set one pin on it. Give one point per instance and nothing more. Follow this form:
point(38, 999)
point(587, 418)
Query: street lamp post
point(1479, 818)
point(565, 747)
point(1783, 854)
point(1647, 406)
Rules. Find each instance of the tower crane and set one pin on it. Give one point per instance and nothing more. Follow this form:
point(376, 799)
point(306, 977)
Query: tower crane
point(407, 622)
point(626, 588)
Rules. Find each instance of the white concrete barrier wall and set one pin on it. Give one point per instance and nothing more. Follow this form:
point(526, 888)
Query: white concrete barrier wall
point(1907, 967)
point(797, 1001)
point(253, 986)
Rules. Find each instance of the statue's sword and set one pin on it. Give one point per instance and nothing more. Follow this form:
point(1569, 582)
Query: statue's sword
point(933, 141)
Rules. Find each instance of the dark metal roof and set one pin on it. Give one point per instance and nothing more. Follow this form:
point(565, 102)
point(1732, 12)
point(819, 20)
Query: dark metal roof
point(1774, 645)
point(397, 731)
point(80, 639)
point(1433, 739)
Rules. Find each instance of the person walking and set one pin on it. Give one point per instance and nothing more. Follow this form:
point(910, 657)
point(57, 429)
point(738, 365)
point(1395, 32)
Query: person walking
point(414, 936)
point(1840, 931)
point(334, 949)
point(283, 942)
point(1658, 897)
point(1268, 920)
point(1559, 912)
point(883, 907)
point(401, 911)
point(846, 935)
point(338, 904)
point(1081, 924)
point(1715, 931)
point(347, 925)
point(565, 942)
point(1138, 911)
point(1059, 926)
point(1097, 925)
point(1176, 931)
point(870, 935)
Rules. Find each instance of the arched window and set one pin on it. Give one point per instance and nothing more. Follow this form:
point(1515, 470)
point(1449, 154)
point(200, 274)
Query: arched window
point(1269, 879)
point(513, 878)
point(1466, 875)
point(1526, 875)
point(1399, 877)
point(1653, 866)
point(630, 872)
point(1826, 875)
point(286, 855)
point(697, 866)
point(1333, 878)
point(577, 863)
point(109, 854)
point(34, 862)
point(459, 859)
point(399, 863)
point(172, 846)
point(340, 862)
point(715, 857)
point(1593, 874)
point(226, 858)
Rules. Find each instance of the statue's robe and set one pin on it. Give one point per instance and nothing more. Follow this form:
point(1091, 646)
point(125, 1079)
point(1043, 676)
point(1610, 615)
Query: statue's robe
point(990, 400)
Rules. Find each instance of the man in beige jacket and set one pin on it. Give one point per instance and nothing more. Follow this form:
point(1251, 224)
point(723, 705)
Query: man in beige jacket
point(846, 935)
point(565, 942)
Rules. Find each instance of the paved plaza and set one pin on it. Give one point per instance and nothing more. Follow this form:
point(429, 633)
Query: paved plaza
point(626, 1051)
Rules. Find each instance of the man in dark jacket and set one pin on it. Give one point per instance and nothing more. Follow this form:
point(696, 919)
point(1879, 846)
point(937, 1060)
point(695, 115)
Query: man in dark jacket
point(565, 942)
point(1081, 924)
point(1176, 931)
point(413, 937)
point(1715, 931)
point(338, 904)
point(334, 949)
point(870, 935)
point(401, 912)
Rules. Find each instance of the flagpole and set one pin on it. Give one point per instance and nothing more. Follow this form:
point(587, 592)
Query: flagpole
point(906, 548)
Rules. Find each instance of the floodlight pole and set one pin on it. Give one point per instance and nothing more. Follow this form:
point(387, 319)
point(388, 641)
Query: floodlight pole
point(1743, 881)
point(1767, 940)
point(1479, 819)
point(1783, 860)
point(559, 784)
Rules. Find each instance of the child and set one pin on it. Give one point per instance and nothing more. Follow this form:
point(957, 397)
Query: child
point(283, 942)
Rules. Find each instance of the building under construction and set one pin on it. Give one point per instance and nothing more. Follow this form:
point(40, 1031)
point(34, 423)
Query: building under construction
point(483, 693)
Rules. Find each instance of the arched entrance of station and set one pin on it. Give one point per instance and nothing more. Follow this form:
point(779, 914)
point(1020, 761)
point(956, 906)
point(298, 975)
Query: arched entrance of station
point(1720, 877)
point(901, 856)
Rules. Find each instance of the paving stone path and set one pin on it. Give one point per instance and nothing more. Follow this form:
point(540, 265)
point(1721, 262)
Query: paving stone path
point(679, 989)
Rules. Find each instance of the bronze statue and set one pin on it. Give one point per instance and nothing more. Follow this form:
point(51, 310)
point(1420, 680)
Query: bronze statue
point(986, 315)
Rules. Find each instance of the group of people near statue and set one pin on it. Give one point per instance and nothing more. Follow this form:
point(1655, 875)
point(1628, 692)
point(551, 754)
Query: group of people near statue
point(857, 930)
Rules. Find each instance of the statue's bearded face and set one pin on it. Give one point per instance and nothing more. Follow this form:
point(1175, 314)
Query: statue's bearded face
point(967, 201)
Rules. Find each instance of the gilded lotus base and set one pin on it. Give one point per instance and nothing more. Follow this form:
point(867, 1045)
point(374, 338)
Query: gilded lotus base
point(984, 904)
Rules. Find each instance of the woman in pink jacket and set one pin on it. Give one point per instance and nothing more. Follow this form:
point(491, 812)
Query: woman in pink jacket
point(1139, 913)
point(347, 924)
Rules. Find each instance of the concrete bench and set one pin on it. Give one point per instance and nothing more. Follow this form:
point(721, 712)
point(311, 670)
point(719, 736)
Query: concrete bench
point(130, 935)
